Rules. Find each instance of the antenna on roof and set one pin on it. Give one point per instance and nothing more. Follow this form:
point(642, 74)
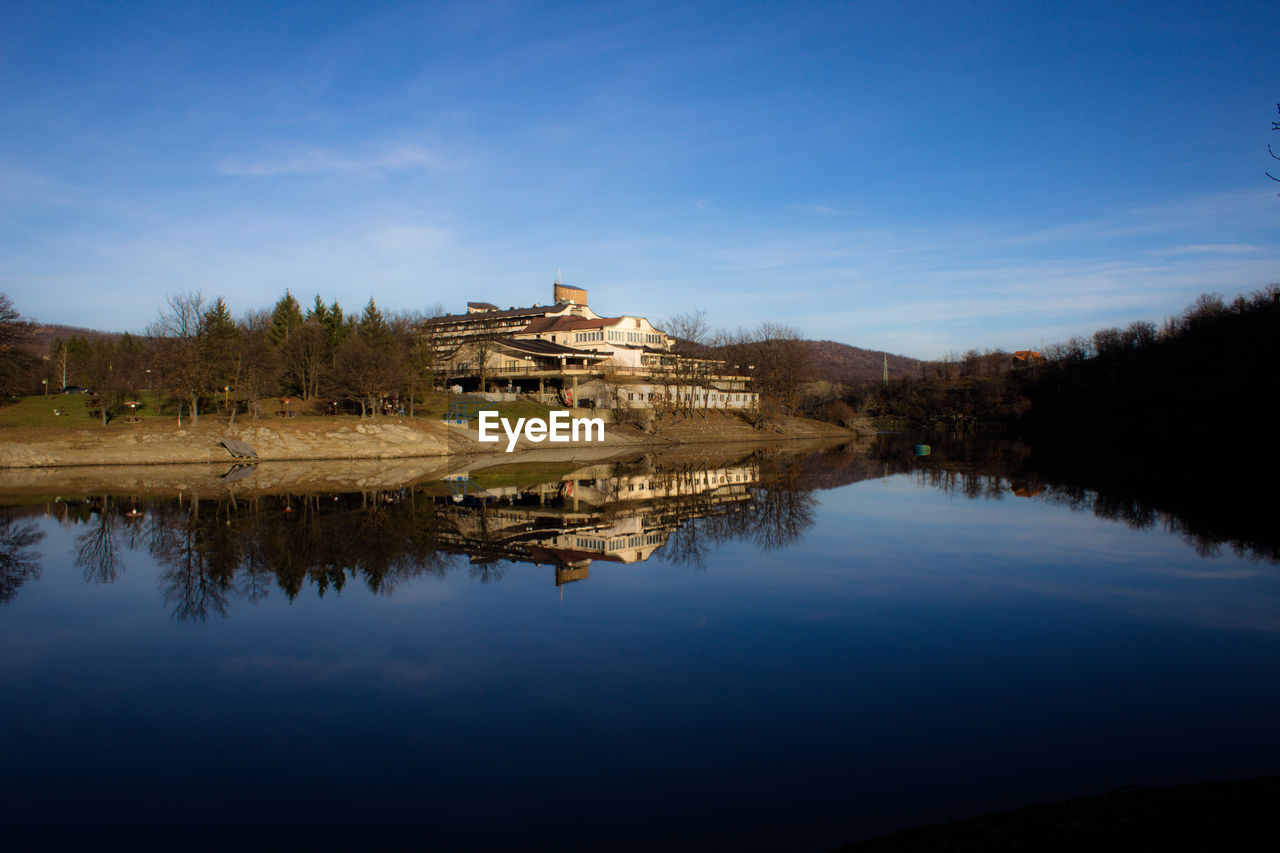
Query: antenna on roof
point(558, 281)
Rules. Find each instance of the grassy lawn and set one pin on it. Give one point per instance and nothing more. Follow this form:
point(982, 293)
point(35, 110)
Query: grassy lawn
point(38, 411)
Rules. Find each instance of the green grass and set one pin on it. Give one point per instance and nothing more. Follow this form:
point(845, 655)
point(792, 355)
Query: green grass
point(37, 411)
point(438, 405)
point(434, 406)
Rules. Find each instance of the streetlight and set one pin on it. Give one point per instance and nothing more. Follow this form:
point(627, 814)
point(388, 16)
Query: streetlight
point(148, 380)
point(45, 383)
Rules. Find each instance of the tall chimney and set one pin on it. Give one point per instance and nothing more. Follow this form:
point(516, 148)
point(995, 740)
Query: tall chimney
point(572, 295)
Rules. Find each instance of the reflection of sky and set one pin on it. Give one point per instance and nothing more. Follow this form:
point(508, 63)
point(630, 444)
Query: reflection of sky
point(908, 541)
point(913, 657)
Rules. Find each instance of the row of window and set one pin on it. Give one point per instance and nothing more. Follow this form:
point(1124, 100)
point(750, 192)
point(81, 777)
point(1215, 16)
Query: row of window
point(705, 480)
point(636, 337)
point(707, 397)
point(623, 542)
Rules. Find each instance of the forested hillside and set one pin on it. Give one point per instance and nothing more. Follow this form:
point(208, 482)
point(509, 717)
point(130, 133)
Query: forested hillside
point(1204, 374)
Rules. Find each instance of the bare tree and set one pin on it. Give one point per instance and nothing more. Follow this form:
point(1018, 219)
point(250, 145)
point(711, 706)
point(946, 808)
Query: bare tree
point(778, 359)
point(614, 390)
point(60, 356)
point(482, 348)
point(418, 351)
point(305, 355)
point(178, 347)
point(690, 329)
point(691, 369)
point(14, 363)
point(261, 361)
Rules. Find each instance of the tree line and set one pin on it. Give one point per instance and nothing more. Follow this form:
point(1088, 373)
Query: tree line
point(198, 357)
point(776, 357)
point(1208, 368)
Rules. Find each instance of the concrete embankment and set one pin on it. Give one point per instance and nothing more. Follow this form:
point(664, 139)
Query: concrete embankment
point(326, 476)
point(353, 439)
point(145, 444)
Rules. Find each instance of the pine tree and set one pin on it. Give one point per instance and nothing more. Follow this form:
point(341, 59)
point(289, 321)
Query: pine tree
point(285, 317)
point(219, 348)
point(318, 311)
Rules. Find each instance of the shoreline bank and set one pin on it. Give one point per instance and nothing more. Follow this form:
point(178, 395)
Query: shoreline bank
point(243, 479)
point(349, 440)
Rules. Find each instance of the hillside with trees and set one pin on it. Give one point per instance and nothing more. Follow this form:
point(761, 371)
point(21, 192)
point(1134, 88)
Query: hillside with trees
point(1205, 373)
point(833, 361)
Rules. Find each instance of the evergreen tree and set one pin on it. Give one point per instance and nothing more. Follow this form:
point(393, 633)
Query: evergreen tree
point(285, 317)
point(219, 348)
point(318, 311)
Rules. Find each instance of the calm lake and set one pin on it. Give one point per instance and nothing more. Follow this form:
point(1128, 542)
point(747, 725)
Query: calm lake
point(766, 651)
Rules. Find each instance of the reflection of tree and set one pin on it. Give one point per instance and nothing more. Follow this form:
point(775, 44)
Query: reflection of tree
point(189, 581)
point(778, 513)
point(486, 549)
point(487, 570)
point(18, 563)
point(783, 508)
point(1210, 504)
point(97, 548)
point(213, 552)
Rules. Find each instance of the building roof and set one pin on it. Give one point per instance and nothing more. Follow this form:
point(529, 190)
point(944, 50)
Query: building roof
point(565, 556)
point(500, 314)
point(484, 306)
point(536, 347)
point(566, 323)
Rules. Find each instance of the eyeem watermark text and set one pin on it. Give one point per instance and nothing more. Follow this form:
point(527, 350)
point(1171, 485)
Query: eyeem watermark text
point(560, 427)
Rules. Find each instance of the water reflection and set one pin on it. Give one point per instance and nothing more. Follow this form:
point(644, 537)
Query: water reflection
point(1211, 505)
point(212, 552)
point(19, 562)
point(215, 551)
point(796, 694)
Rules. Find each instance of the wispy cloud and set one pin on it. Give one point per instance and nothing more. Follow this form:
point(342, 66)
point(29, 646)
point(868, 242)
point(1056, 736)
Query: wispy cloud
point(312, 161)
point(1209, 248)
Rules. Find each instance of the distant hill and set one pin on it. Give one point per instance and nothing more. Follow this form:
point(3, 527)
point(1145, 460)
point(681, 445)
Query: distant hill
point(45, 334)
point(837, 362)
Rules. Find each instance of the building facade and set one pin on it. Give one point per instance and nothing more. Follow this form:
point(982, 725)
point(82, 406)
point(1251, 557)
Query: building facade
point(605, 362)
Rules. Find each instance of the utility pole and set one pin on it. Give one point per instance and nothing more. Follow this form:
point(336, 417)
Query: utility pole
point(886, 369)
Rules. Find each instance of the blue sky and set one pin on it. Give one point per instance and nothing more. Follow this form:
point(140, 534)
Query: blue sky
point(917, 177)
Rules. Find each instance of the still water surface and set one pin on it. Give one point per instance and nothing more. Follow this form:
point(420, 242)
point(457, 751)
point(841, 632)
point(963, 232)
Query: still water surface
point(775, 653)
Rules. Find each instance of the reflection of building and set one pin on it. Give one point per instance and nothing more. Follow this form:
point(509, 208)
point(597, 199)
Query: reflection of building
point(594, 514)
point(607, 362)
